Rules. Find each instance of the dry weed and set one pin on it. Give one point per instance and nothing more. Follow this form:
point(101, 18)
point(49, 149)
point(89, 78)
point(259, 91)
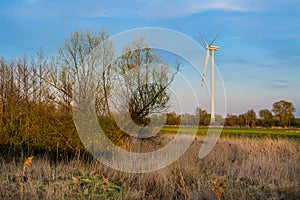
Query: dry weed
point(244, 169)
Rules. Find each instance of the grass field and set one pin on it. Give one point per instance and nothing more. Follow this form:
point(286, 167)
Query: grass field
point(236, 168)
point(241, 132)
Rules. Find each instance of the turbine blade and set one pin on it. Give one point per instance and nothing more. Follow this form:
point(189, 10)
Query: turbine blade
point(203, 39)
point(215, 38)
point(205, 66)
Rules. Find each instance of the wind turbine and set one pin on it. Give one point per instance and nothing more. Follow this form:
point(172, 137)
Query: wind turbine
point(210, 47)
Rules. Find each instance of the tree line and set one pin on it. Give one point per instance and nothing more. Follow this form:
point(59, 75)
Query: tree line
point(281, 115)
point(37, 93)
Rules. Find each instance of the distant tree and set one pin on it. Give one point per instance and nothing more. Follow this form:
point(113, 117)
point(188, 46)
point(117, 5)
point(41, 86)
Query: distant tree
point(173, 119)
point(296, 122)
point(241, 120)
point(259, 122)
point(219, 120)
point(250, 117)
point(189, 119)
point(231, 120)
point(266, 117)
point(204, 117)
point(284, 112)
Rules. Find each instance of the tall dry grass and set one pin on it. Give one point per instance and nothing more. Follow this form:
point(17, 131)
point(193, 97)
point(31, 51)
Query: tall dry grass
point(237, 168)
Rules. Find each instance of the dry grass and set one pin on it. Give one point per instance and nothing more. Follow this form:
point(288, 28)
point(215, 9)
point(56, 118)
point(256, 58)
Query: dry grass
point(237, 168)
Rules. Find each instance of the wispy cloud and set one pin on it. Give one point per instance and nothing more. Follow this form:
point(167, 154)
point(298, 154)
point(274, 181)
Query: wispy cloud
point(280, 84)
point(225, 5)
point(153, 9)
point(281, 81)
point(94, 15)
point(181, 8)
point(41, 9)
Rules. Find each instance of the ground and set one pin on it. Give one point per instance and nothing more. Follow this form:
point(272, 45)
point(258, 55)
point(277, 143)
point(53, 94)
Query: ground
point(236, 168)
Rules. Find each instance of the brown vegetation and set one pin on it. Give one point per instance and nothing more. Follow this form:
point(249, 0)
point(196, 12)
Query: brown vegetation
point(236, 169)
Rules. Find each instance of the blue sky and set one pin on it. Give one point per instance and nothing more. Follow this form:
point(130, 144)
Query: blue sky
point(260, 43)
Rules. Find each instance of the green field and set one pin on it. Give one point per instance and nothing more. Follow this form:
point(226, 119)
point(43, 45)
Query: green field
point(240, 132)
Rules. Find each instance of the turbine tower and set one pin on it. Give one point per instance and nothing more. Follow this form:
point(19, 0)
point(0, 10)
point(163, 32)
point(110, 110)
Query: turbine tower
point(212, 49)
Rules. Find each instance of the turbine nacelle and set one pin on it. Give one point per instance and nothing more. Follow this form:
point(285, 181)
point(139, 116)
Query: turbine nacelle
point(214, 48)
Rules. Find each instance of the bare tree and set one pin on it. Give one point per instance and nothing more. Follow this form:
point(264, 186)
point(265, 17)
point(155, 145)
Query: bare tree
point(84, 59)
point(143, 80)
